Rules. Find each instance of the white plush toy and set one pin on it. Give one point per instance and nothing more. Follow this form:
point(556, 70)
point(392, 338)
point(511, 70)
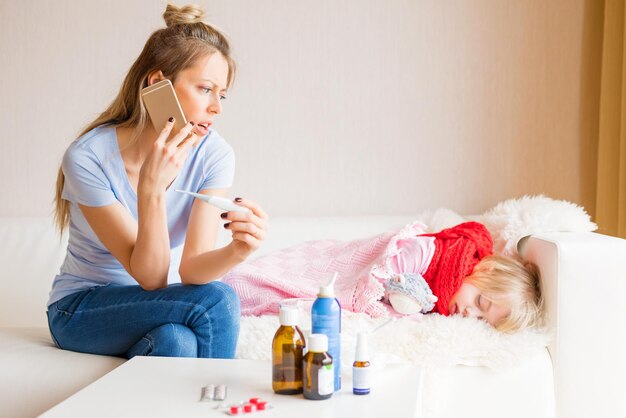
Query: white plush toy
point(409, 294)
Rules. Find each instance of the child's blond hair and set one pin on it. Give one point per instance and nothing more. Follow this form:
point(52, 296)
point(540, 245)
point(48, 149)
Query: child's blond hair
point(513, 284)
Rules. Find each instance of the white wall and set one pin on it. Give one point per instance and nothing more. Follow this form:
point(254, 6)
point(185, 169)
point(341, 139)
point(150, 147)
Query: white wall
point(340, 106)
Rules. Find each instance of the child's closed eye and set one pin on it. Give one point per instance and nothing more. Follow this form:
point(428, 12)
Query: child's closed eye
point(483, 303)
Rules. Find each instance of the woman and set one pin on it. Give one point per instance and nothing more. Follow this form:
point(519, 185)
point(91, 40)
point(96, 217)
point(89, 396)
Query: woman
point(115, 193)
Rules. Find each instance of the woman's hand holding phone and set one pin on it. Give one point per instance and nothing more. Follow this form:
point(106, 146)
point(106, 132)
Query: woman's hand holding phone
point(166, 158)
point(248, 229)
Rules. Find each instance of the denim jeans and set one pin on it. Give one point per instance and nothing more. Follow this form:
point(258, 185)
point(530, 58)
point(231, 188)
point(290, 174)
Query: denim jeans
point(126, 321)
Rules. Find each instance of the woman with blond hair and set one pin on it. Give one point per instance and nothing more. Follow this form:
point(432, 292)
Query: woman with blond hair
point(115, 194)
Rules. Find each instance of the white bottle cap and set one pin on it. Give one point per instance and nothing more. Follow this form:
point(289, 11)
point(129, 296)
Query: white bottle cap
point(288, 316)
point(317, 343)
point(328, 291)
point(362, 352)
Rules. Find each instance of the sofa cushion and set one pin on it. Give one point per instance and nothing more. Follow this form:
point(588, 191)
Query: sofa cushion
point(30, 254)
point(36, 375)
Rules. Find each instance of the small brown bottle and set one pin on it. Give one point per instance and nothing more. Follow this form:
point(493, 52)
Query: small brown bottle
point(317, 369)
point(287, 348)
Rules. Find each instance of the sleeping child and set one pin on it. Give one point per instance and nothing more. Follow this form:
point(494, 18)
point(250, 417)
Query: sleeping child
point(456, 266)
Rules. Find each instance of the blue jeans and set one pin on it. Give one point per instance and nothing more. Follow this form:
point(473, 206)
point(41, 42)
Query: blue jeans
point(127, 321)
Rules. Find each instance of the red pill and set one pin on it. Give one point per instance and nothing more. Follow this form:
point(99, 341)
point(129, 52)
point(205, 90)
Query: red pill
point(248, 407)
point(254, 400)
point(234, 410)
point(261, 406)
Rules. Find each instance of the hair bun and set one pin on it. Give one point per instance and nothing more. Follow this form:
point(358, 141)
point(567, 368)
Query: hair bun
point(175, 15)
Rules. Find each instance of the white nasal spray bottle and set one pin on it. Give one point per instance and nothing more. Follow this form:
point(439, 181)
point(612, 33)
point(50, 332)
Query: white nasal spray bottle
point(218, 202)
point(361, 370)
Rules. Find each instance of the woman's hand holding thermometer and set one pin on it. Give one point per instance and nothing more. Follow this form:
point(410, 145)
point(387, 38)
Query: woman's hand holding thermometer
point(219, 202)
point(248, 222)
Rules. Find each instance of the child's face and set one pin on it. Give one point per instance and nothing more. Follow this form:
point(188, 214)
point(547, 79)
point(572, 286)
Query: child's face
point(470, 302)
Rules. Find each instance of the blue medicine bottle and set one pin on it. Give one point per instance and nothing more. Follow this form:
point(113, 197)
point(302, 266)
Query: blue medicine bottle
point(326, 319)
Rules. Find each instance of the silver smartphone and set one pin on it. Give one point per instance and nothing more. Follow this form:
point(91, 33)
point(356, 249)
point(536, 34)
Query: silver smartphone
point(161, 102)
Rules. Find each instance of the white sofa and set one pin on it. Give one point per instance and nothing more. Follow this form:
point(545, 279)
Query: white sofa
point(583, 278)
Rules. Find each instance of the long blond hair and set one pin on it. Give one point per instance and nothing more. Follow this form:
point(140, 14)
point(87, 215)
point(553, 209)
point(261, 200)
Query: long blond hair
point(514, 284)
point(171, 49)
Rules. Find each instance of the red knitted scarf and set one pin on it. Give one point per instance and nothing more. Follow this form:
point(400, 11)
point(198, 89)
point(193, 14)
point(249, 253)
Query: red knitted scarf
point(457, 251)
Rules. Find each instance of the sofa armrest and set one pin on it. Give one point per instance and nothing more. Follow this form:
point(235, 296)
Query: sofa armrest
point(583, 280)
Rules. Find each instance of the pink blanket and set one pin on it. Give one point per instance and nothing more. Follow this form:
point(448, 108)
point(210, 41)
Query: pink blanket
point(298, 272)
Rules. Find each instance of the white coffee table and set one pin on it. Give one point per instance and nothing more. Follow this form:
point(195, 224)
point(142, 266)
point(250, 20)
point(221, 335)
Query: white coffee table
point(170, 387)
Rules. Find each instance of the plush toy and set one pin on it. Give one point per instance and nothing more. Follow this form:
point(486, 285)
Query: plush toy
point(409, 294)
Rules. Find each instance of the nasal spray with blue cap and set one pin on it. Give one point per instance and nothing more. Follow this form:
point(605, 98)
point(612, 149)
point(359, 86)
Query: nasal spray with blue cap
point(326, 319)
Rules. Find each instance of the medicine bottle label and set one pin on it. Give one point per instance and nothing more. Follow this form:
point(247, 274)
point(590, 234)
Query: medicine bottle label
point(326, 380)
point(361, 378)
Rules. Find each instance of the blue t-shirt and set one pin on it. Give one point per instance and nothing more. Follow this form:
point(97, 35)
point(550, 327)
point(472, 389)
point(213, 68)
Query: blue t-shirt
point(95, 176)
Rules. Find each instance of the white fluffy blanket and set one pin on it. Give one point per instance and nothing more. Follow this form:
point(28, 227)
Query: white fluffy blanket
point(431, 340)
point(434, 340)
point(511, 220)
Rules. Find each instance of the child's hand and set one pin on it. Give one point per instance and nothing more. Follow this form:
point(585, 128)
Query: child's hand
point(248, 229)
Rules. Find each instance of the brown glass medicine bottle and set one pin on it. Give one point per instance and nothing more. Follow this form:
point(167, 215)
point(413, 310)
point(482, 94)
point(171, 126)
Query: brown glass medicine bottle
point(317, 369)
point(287, 348)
